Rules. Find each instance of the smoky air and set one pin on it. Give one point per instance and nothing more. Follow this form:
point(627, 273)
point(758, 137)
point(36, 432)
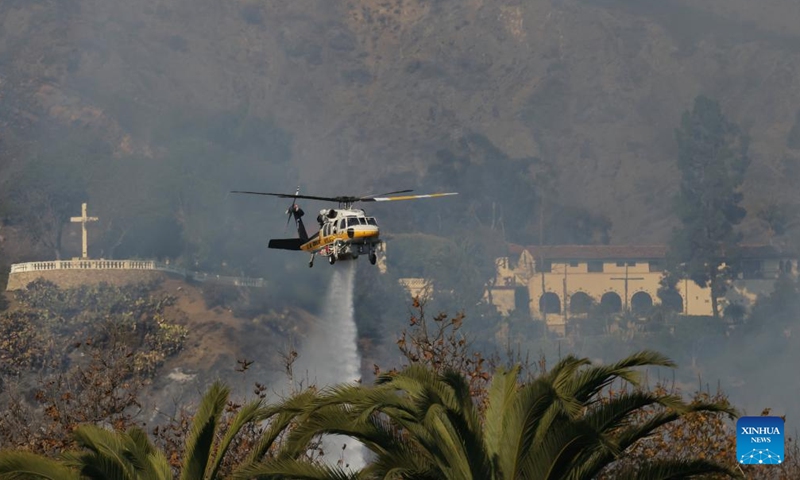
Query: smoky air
point(626, 172)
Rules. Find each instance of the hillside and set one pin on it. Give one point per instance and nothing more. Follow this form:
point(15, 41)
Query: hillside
point(217, 340)
point(368, 93)
point(163, 343)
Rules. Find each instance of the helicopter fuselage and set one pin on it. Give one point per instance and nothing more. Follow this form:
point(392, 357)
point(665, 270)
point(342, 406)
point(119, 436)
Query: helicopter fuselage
point(344, 234)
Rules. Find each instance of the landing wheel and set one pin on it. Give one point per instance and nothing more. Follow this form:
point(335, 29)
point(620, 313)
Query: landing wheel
point(332, 259)
point(373, 258)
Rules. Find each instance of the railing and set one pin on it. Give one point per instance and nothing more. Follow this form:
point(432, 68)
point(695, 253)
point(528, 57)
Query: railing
point(133, 265)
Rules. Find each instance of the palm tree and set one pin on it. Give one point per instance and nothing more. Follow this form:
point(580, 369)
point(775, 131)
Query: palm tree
point(417, 424)
point(425, 425)
point(129, 455)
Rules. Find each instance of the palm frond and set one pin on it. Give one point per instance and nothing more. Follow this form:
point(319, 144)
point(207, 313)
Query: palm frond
point(628, 436)
point(587, 383)
point(16, 465)
point(616, 412)
point(448, 446)
point(245, 415)
point(405, 461)
point(462, 396)
point(371, 432)
point(501, 398)
point(281, 417)
point(286, 468)
point(625, 437)
point(521, 426)
point(159, 467)
point(109, 454)
point(150, 461)
point(554, 455)
point(565, 369)
point(201, 437)
point(94, 466)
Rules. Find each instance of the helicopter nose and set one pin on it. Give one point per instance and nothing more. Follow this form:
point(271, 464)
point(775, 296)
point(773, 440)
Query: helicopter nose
point(363, 232)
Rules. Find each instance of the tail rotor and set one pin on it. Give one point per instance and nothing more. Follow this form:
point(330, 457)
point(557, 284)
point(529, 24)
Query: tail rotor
point(291, 209)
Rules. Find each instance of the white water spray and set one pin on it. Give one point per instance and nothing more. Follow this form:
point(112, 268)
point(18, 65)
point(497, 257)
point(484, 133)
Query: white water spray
point(330, 353)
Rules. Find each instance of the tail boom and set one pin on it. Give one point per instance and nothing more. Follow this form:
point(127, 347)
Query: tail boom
point(286, 243)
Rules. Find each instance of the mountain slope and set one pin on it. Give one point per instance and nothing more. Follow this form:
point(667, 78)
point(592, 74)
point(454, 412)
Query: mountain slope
point(370, 90)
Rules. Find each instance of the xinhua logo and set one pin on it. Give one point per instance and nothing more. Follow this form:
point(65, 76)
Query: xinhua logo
point(759, 440)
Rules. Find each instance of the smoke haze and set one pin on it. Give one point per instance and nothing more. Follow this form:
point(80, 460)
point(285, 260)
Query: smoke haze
point(554, 119)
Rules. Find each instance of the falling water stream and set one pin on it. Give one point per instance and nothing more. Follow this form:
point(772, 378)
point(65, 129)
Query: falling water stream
point(330, 354)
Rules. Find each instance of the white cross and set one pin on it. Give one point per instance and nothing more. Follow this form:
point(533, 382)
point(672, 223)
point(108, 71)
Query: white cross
point(83, 219)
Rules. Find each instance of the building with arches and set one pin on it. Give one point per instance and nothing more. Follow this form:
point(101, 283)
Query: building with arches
point(560, 282)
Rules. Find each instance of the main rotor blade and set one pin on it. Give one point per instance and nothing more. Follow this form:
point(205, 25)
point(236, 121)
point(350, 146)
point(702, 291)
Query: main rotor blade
point(364, 198)
point(289, 195)
point(342, 199)
point(407, 197)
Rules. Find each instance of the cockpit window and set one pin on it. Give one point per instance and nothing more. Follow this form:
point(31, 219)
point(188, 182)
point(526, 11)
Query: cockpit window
point(341, 224)
point(371, 221)
point(352, 221)
point(362, 220)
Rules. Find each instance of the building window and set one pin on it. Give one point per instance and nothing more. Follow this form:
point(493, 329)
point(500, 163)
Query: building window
point(752, 269)
point(545, 266)
point(573, 263)
point(655, 266)
point(595, 267)
point(620, 264)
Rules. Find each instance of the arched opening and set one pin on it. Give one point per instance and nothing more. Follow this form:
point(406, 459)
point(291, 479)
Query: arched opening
point(580, 303)
point(785, 266)
point(522, 300)
point(610, 303)
point(549, 303)
point(641, 303)
point(735, 312)
point(671, 300)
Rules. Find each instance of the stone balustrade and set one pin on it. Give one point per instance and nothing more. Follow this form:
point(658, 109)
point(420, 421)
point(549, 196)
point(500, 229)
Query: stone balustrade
point(26, 269)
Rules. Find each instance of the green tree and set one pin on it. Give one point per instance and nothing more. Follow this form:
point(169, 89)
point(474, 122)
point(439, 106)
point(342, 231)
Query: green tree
point(422, 424)
point(456, 268)
point(712, 158)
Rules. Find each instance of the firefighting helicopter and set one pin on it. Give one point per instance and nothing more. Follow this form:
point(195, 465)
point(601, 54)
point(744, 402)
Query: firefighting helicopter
point(344, 232)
